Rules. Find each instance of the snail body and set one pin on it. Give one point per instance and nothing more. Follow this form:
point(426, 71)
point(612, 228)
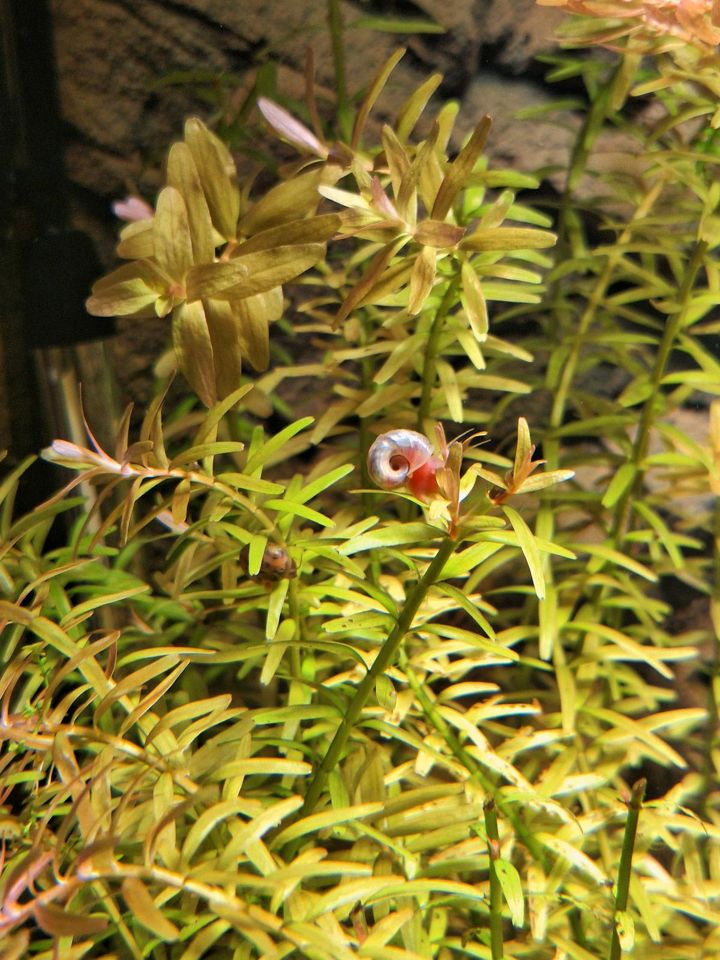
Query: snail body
point(405, 458)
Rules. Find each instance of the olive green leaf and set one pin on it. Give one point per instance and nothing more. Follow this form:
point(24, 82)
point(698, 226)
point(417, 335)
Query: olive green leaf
point(253, 273)
point(143, 908)
point(411, 111)
point(183, 175)
point(225, 340)
point(508, 238)
point(136, 241)
point(216, 170)
point(289, 200)
point(171, 235)
point(194, 350)
point(422, 278)
point(437, 233)
point(459, 170)
point(473, 300)
point(253, 315)
point(131, 290)
point(310, 230)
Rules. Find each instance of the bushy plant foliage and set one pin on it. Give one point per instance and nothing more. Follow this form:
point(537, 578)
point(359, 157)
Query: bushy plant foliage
point(265, 702)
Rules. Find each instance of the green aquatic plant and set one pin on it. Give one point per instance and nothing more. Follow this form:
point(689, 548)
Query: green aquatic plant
point(368, 652)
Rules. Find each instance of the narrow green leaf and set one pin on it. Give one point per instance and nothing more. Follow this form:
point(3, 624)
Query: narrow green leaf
point(299, 510)
point(385, 692)
point(268, 447)
point(391, 535)
point(371, 96)
point(256, 550)
point(397, 25)
point(529, 547)
point(317, 486)
point(194, 351)
point(508, 238)
point(620, 483)
point(275, 608)
point(523, 446)
point(473, 300)
point(411, 111)
point(512, 890)
point(460, 169)
point(143, 908)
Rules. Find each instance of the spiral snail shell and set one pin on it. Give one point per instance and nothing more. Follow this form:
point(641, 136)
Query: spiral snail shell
point(405, 458)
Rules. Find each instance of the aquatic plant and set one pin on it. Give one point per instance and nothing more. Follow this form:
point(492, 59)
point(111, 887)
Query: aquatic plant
point(388, 679)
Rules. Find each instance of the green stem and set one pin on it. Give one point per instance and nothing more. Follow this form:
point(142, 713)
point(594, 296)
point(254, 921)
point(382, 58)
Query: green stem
point(625, 869)
point(493, 839)
point(335, 26)
point(649, 413)
point(567, 376)
point(431, 352)
point(382, 661)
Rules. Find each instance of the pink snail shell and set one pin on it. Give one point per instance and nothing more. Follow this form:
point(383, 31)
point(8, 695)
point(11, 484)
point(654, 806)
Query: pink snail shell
point(405, 458)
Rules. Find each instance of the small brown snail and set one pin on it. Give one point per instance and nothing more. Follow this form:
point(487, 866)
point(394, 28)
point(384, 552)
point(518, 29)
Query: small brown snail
point(405, 458)
point(276, 563)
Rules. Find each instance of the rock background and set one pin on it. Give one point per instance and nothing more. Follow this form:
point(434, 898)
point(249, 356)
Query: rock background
point(120, 115)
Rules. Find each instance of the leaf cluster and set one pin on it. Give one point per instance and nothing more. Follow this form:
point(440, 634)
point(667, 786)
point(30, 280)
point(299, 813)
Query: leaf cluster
point(254, 707)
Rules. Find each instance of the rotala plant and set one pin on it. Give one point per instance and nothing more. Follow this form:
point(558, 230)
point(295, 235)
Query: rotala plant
point(385, 676)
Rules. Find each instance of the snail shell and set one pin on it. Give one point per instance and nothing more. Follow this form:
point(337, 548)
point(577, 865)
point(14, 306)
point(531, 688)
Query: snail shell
point(404, 458)
point(276, 564)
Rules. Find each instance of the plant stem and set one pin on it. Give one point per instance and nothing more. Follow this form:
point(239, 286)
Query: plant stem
point(649, 412)
point(493, 840)
point(637, 795)
point(431, 352)
point(335, 26)
point(562, 393)
point(383, 659)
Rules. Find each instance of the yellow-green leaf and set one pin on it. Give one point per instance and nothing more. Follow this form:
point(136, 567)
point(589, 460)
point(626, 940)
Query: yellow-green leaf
point(253, 316)
point(512, 890)
point(61, 923)
point(413, 107)
point(529, 547)
point(310, 230)
point(194, 351)
point(171, 235)
point(254, 273)
point(437, 233)
point(373, 93)
point(131, 288)
point(473, 300)
point(183, 175)
point(136, 241)
point(143, 908)
point(508, 238)
point(226, 345)
point(289, 200)
point(460, 169)
point(218, 176)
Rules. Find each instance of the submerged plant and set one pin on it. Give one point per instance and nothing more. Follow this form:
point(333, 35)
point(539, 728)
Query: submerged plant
point(365, 682)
